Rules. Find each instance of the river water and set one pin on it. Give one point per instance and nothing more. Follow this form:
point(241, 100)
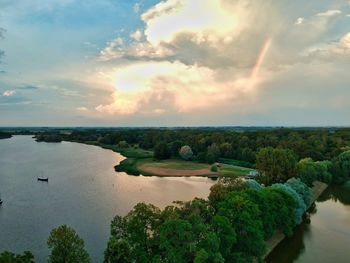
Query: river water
point(83, 192)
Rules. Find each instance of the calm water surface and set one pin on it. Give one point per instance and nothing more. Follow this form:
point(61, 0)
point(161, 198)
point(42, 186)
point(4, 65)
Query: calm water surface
point(327, 238)
point(83, 191)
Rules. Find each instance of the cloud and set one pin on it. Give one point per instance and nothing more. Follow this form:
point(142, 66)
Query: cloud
point(83, 109)
point(334, 51)
point(330, 13)
point(299, 21)
point(112, 47)
point(163, 87)
point(137, 35)
point(9, 93)
point(198, 54)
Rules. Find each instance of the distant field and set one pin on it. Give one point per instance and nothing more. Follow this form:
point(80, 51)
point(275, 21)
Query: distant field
point(175, 167)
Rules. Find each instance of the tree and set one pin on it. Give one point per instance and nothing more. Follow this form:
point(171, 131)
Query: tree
point(307, 171)
point(66, 246)
point(213, 153)
point(176, 237)
point(275, 164)
point(341, 169)
point(175, 147)
point(122, 144)
point(186, 152)
point(9, 257)
point(244, 216)
point(118, 251)
point(162, 151)
point(300, 204)
point(225, 186)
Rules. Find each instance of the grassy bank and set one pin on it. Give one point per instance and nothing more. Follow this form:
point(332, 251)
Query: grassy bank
point(139, 161)
point(177, 167)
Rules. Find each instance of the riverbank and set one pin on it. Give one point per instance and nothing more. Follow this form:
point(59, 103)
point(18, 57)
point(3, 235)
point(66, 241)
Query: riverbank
point(4, 135)
point(139, 161)
point(317, 189)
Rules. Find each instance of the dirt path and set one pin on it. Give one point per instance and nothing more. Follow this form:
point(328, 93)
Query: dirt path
point(174, 172)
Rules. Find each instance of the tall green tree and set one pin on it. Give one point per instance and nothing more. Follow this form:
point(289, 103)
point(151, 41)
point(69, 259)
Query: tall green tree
point(276, 164)
point(66, 246)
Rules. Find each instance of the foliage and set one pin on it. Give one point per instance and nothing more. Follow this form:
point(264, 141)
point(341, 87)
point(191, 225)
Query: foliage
point(300, 204)
point(66, 246)
point(5, 135)
point(214, 168)
point(129, 166)
point(252, 184)
point(309, 171)
point(275, 164)
point(213, 153)
point(118, 251)
point(341, 168)
point(223, 187)
point(186, 152)
point(122, 144)
point(347, 184)
point(162, 151)
point(302, 189)
point(48, 138)
point(9, 257)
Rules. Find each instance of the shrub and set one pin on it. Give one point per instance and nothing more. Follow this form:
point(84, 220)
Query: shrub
point(186, 152)
point(214, 168)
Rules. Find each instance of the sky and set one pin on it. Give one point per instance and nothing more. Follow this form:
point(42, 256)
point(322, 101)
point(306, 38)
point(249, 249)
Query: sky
point(174, 63)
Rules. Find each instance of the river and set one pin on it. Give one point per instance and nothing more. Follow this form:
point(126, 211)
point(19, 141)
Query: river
point(83, 192)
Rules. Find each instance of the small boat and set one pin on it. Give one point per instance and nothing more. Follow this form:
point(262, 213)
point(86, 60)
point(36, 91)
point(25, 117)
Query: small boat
point(0, 201)
point(43, 179)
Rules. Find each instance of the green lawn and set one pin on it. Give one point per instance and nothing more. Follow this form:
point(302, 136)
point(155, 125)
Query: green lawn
point(179, 164)
point(234, 171)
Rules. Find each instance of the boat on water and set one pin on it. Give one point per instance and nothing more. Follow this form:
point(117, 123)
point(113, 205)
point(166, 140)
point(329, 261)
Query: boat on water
point(0, 200)
point(43, 179)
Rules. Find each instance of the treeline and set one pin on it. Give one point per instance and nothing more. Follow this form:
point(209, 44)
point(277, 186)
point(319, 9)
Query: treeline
point(278, 165)
point(5, 135)
point(214, 144)
point(233, 225)
point(48, 137)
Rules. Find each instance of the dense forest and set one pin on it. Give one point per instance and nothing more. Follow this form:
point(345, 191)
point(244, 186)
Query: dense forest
point(323, 144)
